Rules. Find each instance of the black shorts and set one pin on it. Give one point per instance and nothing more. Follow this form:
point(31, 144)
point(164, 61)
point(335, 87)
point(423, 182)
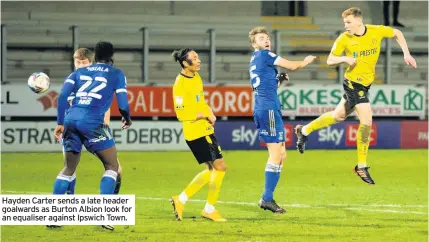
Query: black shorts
point(205, 149)
point(355, 93)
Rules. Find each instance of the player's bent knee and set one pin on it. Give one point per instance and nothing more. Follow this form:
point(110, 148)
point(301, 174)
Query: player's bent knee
point(68, 171)
point(275, 150)
point(339, 116)
point(219, 165)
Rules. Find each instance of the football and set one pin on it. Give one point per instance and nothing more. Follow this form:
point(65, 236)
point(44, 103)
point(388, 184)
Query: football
point(39, 82)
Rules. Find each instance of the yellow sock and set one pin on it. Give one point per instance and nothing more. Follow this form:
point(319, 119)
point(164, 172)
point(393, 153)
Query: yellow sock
point(323, 121)
point(214, 186)
point(363, 143)
point(197, 183)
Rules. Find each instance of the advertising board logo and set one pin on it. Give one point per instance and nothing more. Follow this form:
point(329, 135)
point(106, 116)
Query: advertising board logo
point(244, 135)
point(352, 131)
point(288, 134)
point(49, 100)
point(288, 99)
point(331, 134)
point(413, 101)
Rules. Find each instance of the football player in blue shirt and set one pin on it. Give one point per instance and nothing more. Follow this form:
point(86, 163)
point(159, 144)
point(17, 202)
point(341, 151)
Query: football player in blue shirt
point(94, 87)
point(84, 57)
point(267, 109)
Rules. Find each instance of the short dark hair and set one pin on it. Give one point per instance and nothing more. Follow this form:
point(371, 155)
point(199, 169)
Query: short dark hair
point(104, 52)
point(181, 55)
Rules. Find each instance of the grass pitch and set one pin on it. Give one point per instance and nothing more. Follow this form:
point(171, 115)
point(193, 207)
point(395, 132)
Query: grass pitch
point(325, 201)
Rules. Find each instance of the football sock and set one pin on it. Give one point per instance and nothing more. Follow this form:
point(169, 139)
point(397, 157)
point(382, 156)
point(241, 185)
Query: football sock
point(209, 208)
point(196, 184)
point(118, 184)
point(272, 176)
point(323, 121)
point(61, 184)
point(72, 184)
point(215, 184)
point(107, 184)
point(363, 144)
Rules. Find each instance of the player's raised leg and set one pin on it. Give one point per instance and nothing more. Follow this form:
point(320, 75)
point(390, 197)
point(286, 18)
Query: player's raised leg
point(340, 113)
point(363, 139)
point(215, 183)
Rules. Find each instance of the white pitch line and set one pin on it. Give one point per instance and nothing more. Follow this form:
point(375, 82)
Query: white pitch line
point(361, 207)
point(386, 211)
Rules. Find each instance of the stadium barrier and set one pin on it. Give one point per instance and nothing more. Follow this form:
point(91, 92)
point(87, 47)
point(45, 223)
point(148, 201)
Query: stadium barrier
point(243, 135)
point(297, 100)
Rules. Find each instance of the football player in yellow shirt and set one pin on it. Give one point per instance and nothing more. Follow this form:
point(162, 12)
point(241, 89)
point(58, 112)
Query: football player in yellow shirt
point(361, 44)
point(198, 121)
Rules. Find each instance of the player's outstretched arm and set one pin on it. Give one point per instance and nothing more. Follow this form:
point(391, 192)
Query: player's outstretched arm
point(399, 36)
point(294, 65)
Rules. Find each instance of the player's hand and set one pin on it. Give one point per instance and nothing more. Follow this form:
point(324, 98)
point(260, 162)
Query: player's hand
point(58, 132)
point(351, 61)
point(282, 77)
point(409, 60)
point(126, 123)
point(309, 59)
point(212, 119)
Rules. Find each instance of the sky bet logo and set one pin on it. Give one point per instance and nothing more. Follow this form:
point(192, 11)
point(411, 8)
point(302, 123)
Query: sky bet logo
point(250, 135)
point(351, 135)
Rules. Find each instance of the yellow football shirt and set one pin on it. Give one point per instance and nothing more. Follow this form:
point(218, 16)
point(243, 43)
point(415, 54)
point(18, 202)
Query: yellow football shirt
point(188, 98)
point(366, 50)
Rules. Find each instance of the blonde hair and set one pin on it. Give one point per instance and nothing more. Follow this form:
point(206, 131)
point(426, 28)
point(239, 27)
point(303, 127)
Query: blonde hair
point(255, 31)
point(84, 53)
point(356, 12)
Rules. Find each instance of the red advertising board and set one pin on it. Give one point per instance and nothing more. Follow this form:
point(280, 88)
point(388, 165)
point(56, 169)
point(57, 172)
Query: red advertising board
point(351, 135)
point(414, 134)
point(158, 101)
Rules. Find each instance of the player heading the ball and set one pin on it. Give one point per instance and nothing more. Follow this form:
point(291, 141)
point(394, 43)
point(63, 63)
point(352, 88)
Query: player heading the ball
point(361, 44)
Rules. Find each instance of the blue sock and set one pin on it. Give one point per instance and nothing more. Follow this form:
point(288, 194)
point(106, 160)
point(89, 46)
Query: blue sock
point(108, 182)
point(61, 184)
point(72, 184)
point(272, 176)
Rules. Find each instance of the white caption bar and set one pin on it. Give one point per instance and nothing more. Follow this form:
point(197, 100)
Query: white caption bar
point(67, 210)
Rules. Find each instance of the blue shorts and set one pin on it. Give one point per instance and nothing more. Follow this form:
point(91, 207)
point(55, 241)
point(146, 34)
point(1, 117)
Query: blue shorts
point(270, 125)
point(94, 136)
